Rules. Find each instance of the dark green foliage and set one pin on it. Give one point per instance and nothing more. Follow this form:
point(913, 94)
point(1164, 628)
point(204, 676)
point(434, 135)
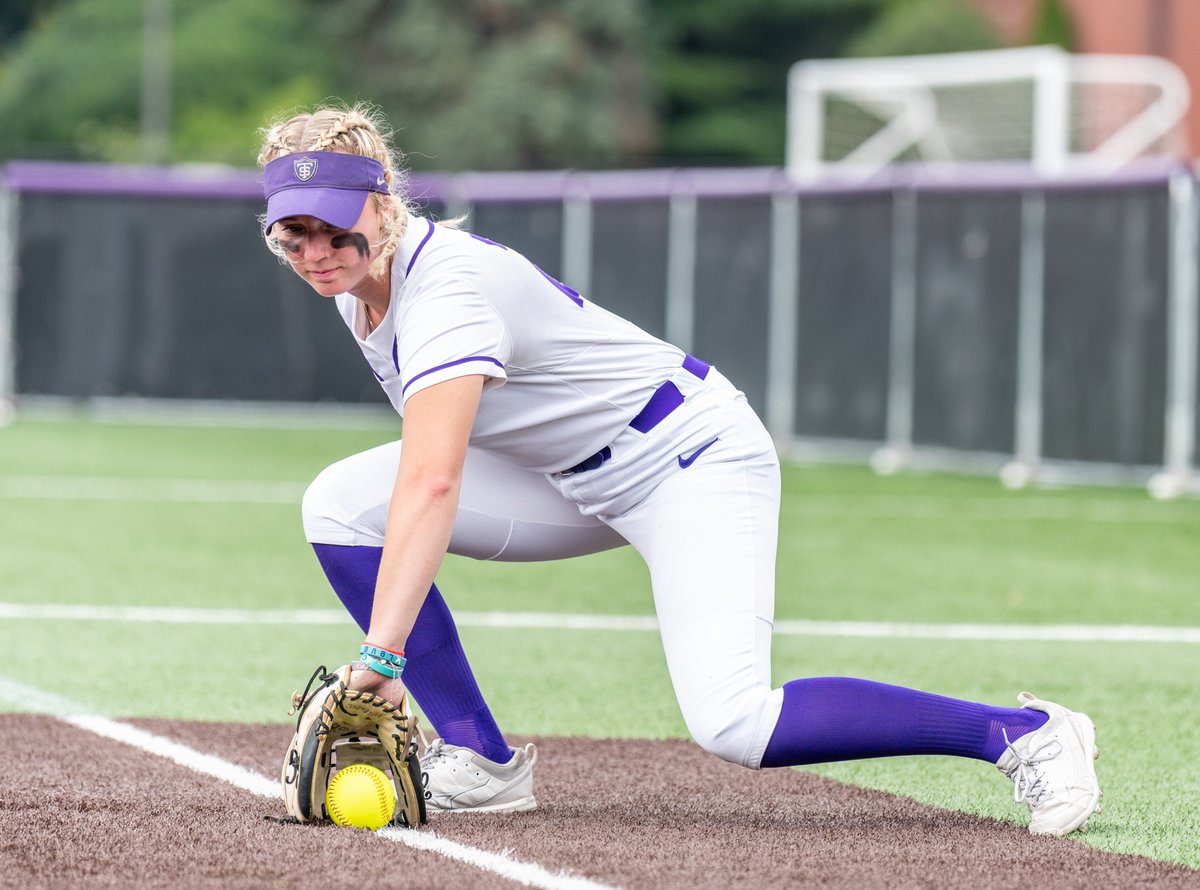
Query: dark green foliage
point(918, 27)
point(721, 71)
point(468, 84)
point(72, 88)
point(1054, 25)
point(502, 84)
point(17, 15)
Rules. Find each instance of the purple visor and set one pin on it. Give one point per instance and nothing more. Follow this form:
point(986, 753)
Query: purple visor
point(330, 185)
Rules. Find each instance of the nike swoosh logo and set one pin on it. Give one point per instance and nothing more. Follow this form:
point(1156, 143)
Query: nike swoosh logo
point(457, 796)
point(685, 462)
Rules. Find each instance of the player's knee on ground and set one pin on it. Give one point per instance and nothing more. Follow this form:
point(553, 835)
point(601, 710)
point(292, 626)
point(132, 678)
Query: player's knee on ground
point(737, 730)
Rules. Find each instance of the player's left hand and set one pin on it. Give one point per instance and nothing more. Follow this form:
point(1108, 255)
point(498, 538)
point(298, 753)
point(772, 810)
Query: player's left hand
point(361, 677)
point(353, 715)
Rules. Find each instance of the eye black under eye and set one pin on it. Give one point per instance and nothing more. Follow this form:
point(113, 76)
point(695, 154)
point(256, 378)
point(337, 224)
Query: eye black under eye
point(353, 239)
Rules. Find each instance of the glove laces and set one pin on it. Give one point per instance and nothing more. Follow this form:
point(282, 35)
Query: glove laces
point(300, 700)
point(1028, 782)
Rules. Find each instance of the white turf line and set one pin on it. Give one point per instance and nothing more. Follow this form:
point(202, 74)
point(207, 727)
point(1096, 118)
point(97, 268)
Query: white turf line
point(1071, 633)
point(502, 864)
point(102, 488)
point(1027, 507)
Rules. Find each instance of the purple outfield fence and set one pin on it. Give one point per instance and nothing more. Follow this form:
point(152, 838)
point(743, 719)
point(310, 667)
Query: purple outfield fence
point(976, 315)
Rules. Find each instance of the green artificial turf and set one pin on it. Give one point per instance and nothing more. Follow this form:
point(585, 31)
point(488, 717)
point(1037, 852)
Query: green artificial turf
point(188, 516)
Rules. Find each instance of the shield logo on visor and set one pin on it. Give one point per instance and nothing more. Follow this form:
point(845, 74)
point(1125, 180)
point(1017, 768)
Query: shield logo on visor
point(304, 168)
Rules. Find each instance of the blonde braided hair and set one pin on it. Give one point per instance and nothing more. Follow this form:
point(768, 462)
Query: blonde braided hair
point(361, 130)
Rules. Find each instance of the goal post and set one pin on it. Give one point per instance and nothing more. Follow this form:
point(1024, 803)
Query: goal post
point(849, 118)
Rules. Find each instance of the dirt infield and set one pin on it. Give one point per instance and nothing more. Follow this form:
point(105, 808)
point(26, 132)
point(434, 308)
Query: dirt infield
point(77, 810)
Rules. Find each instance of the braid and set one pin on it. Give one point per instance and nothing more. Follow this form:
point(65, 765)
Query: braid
point(330, 137)
point(359, 130)
point(274, 145)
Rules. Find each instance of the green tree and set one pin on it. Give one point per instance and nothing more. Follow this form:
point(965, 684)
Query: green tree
point(916, 27)
point(71, 87)
point(17, 15)
point(721, 71)
point(502, 84)
point(1054, 25)
point(482, 84)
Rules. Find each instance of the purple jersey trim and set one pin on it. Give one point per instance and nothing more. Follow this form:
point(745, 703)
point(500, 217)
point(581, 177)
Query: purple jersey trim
point(696, 367)
point(667, 397)
point(461, 361)
point(665, 400)
point(417, 252)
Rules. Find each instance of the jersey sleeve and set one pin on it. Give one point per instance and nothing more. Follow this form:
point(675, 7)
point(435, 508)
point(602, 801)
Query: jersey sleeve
point(448, 334)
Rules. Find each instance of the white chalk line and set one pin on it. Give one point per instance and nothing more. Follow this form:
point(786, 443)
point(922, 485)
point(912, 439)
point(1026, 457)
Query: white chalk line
point(104, 488)
point(1071, 633)
point(502, 864)
point(878, 507)
point(1032, 508)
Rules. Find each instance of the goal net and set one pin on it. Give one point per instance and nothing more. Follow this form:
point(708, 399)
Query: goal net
point(1055, 110)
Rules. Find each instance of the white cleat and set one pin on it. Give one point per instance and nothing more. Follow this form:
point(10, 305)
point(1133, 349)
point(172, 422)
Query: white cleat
point(1053, 769)
point(458, 780)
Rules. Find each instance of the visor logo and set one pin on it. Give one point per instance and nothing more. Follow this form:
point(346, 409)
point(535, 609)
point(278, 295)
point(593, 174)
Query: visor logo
point(304, 168)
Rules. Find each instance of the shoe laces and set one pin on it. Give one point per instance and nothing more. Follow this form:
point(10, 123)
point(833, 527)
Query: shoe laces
point(435, 751)
point(434, 754)
point(1029, 783)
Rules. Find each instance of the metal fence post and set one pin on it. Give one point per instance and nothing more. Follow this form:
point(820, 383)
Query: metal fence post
point(897, 451)
point(8, 302)
point(681, 271)
point(1182, 319)
point(783, 316)
point(577, 238)
point(1030, 360)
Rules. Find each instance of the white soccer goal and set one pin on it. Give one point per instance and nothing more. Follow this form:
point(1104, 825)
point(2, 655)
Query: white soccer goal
point(848, 118)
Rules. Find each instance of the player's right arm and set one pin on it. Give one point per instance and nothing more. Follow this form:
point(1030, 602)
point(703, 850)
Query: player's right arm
point(424, 503)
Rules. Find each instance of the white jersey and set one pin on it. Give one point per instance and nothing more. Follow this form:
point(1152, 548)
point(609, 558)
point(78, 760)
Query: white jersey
point(590, 433)
point(565, 375)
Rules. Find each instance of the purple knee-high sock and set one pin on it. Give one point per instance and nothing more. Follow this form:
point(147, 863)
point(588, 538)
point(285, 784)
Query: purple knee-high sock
point(437, 674)
point(837, 718)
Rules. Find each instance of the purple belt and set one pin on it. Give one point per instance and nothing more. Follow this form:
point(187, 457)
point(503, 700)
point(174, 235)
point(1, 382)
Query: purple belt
point(665, 400)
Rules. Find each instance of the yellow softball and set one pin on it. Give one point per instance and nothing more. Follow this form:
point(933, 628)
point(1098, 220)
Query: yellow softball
point(360, 796)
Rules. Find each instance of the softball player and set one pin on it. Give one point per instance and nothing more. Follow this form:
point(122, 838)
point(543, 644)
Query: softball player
point(537, 425)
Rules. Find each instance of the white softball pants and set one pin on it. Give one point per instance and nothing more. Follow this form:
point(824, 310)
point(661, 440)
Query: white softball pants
point(706, 529)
